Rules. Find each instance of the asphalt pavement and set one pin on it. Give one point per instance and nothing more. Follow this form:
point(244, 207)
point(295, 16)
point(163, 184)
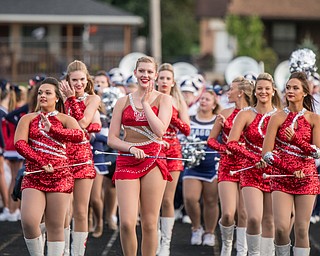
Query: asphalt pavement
point(12, 242)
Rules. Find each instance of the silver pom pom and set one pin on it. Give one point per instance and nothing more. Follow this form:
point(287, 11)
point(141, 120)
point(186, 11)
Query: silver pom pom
point(109, 97)
point(303, 60)
point(192, 148)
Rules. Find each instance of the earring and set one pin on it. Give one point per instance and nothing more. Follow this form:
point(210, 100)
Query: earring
point(57, 100)
point(305, 95)
point(255, 94)
point(272, 94)
point(239, 95)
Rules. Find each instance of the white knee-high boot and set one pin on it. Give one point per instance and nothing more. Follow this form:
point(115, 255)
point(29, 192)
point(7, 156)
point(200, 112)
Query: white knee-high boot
point(298, 251)
point(227, 238)
point(267, 247)
point(166, 224)
point(55, 248)
point(35, 246)
point(79, 241)
point(253, 244)
point(66, 251)
point(242, 247)
point(282, 250)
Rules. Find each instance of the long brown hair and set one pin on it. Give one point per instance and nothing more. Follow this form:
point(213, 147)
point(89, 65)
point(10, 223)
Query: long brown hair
point(59, 104)
point(308, 100)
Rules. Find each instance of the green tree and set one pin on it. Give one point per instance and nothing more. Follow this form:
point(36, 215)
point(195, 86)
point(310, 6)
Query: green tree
point(180, 33)
point(248, 32)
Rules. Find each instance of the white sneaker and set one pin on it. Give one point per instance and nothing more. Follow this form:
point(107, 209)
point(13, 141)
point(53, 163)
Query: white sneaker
point(313, 219)
point(208, 239)
point(4, 215)
point(177, 214)
point(196, 236)
point(186, 219)
point(13, 217)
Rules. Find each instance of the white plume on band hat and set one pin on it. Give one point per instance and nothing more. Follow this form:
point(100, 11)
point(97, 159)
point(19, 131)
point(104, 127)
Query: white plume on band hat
point(194, 84)
point(116, 76)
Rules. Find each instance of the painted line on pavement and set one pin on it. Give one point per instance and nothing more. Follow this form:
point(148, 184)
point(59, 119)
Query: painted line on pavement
point(110, 243)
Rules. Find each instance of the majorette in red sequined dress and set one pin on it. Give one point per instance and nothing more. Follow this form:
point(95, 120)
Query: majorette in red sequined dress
point(136, 124)
point(293, 158)
point(227, 162)
point(44, 148)
point(79, 152)
point(171, 137)
point(253, 138)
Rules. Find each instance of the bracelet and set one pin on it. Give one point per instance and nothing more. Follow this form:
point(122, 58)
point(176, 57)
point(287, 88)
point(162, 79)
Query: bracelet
point(130, 148)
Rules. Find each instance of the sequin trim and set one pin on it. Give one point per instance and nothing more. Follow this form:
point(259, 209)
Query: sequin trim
point(300, 113)
point(49, 152)
point(262, 120)
point(138, 115)
point(47, 146)
point(145, 168)
point(82, 98)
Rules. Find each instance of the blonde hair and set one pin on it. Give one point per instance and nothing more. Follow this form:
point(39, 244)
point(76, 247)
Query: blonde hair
point(175, 90)
point(146, 59)
point(246, 86)
point(78, 65)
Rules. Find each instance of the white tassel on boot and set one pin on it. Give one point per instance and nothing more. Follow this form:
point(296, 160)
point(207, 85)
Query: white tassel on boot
point(242, 247)
point(267, 246)
point(166, 224)
point(43, 233)
point(227, 238)
point(282, 250)
point(159, 237)
point(55, 248)
point(35, 246)
point(66, 251)
point(79, 241)
point(253, 244)
point(298, 251)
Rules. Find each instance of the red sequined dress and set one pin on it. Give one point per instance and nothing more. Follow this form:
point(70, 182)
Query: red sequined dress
point(230, 162)
point(175, 147)
point(80, 152)
point(295, 158)
point(254, 136)
point(136, 126)
point(49, 148)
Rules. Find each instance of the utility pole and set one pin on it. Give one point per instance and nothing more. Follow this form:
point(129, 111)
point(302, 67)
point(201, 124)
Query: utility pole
point(155, 29)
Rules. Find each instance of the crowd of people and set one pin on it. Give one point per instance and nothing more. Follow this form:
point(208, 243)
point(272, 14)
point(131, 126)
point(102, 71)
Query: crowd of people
point(103, 149)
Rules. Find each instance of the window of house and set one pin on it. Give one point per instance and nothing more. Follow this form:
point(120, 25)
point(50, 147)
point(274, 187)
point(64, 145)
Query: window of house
point(34, 36)
point(284, 38)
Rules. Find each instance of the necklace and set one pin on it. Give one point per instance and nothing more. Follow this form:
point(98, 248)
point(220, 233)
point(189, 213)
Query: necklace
point(262, 121)
point(300, 113)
